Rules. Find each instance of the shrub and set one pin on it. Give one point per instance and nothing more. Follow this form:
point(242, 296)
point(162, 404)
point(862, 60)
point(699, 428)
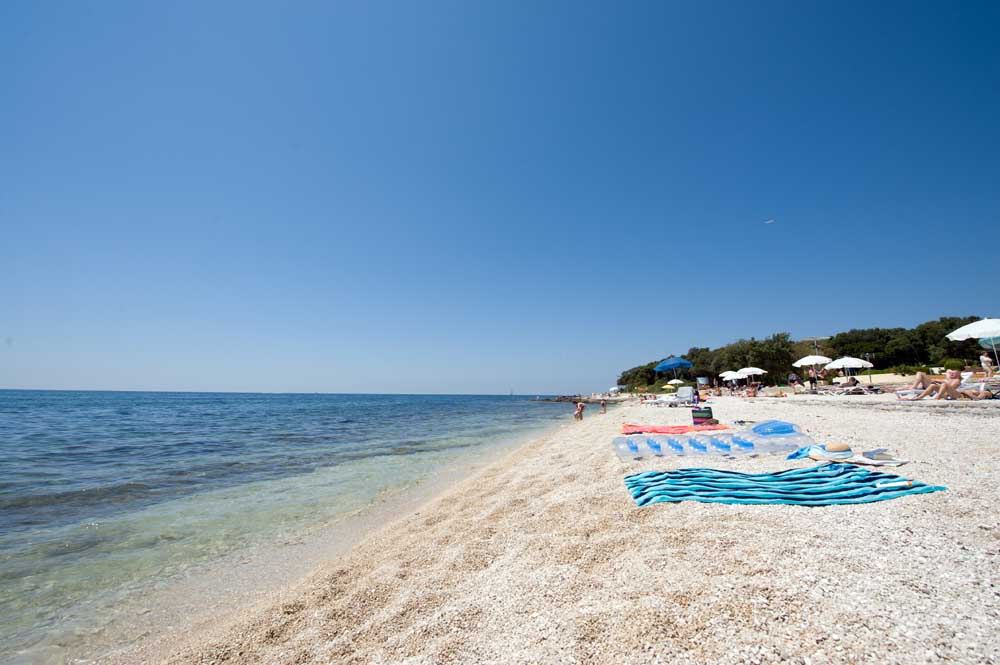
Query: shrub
point(953, 363)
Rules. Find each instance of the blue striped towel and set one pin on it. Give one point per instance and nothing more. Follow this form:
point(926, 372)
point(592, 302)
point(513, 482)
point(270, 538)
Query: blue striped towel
point(823, 485)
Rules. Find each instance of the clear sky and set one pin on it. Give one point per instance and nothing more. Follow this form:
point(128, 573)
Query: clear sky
point(478, 197)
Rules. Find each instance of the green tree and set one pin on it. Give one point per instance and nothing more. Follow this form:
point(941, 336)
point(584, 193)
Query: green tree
point(925, 344)
point(702, 360)
point(774, 354)
point(643, 375)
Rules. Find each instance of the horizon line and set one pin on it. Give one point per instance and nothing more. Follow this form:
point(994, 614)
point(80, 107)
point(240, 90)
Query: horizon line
point(266, 392)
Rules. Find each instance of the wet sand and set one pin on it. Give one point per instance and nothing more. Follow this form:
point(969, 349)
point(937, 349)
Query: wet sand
point(543, 557)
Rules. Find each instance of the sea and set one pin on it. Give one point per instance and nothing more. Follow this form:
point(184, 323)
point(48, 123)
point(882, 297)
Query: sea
point(109, 500)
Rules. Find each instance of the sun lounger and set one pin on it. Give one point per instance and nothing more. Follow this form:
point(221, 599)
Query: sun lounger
point(858, 390)
point(685, 395)
point(908, 394)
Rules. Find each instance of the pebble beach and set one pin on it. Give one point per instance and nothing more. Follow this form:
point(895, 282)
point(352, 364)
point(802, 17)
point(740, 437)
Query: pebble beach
point(488, 333)
point(544, 557)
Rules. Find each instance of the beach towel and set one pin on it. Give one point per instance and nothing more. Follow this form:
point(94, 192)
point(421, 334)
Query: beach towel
point(877, 457)
point(824, 485)
point(668, 429)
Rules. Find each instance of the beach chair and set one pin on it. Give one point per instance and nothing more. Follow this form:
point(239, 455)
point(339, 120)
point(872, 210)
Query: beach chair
point(684, 395)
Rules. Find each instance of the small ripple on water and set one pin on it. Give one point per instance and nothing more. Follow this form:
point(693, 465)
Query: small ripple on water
point(121, 492)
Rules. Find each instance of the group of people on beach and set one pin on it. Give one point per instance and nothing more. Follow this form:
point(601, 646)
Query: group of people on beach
point(953, 386)
point(795, 381)
point(950, 386)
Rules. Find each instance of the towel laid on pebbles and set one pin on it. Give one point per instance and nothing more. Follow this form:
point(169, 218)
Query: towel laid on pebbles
point(842, 453)
point(824, 485)
point(669, 429)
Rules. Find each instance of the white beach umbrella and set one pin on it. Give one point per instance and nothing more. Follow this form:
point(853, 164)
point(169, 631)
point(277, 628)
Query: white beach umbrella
point(814, 362)
point(674, 382)
point(979, 330)
point(730, 375)
point(811, 360)
point(847, 362)
point(747, 372)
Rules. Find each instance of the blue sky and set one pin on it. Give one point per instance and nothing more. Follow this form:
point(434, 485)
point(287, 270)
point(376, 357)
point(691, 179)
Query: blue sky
point(476, 197)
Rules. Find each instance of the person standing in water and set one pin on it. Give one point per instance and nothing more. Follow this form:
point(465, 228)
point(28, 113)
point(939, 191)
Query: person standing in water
point(604, 406)
point(578, 415)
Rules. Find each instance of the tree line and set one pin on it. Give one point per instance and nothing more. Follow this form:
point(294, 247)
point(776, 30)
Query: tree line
point(902, 348)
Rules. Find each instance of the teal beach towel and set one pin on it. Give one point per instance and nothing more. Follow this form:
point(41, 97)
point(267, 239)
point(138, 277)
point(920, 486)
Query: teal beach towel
point(824, 485)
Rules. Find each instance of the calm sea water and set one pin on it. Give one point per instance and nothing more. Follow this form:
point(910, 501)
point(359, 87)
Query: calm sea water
point(106, 495)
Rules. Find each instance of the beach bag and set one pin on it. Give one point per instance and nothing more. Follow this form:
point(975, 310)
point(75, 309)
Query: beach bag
point(699, 416)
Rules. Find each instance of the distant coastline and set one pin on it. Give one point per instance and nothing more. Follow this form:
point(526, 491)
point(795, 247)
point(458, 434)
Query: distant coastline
point(586, 399)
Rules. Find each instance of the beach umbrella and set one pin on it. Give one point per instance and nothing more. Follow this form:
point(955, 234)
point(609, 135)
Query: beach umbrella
point(675, 382)
point(747, 372)
point(674, 364)
point(730, 375)
point(848, 363)
point(814, 362)
point(982, 329)
point(811, 360)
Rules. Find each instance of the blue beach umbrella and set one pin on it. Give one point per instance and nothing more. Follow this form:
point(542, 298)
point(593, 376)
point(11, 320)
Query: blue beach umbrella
point(674, 364)
point(989, 342)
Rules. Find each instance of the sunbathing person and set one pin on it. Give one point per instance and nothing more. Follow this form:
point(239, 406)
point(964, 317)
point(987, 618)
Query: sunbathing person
point(976, 394)
point(932, 389)
point(951, 376)
point(946, 390)
point(968, 393)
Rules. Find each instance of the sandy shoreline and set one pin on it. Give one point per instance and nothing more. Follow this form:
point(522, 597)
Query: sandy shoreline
point(148, 626)
point(543, 557)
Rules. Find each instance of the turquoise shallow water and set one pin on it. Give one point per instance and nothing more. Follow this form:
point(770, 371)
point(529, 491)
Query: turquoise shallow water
point(106, 496)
